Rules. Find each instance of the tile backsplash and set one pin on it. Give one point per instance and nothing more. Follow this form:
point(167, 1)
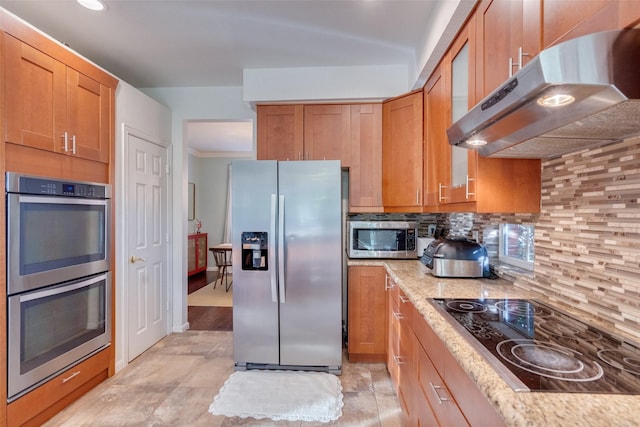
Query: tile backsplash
point(587, 236)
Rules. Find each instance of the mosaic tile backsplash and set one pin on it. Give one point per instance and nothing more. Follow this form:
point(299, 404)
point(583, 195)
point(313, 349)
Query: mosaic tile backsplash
point(587, 236)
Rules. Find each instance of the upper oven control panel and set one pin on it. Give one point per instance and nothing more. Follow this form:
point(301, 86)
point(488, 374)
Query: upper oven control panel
point(26, 184)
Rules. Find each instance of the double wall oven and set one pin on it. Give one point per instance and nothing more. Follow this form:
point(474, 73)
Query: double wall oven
point(58, 278)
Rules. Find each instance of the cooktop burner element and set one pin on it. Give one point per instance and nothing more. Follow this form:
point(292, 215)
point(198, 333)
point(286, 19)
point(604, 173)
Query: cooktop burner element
point(536, 347)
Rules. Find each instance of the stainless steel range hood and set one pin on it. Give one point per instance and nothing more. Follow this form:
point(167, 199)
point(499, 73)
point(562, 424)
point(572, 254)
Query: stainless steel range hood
point(601, 71)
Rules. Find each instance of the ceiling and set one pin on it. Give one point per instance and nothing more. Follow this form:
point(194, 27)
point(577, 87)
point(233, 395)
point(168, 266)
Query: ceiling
point(182, 43)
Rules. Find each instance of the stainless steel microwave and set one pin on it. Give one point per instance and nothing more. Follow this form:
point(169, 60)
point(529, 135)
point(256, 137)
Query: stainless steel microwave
point(382, 239)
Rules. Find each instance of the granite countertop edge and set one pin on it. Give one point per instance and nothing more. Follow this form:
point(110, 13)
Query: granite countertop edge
point(516, 408)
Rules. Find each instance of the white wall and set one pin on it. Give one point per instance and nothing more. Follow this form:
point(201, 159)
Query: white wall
point(137, 111)
point(192, 103)
point(326, 84)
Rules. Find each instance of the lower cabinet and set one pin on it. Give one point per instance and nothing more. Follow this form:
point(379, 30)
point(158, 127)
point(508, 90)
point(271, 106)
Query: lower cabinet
point(452, 395)
point(44, 402)
point(400, 348)
point(431, 386)
point(367, 317)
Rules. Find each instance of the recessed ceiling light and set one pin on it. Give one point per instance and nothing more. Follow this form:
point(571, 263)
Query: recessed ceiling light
point(92, 4)
point(557, 100)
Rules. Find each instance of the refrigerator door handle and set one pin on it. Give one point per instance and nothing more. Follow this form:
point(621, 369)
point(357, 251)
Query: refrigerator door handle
point(281, 281)
point(272, 249)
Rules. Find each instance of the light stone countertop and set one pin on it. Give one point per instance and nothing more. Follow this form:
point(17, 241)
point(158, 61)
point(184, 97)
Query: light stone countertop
point(517, 408)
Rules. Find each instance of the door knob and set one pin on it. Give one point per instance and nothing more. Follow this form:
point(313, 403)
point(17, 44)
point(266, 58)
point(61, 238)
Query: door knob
point(135, 259)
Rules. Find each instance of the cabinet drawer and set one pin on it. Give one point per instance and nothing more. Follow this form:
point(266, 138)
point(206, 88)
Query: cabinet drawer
point(471, 401)
point(435, 391)
point(45, 401)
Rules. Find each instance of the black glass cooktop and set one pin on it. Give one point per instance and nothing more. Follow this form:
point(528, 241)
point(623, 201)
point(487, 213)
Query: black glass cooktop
point(536, 347)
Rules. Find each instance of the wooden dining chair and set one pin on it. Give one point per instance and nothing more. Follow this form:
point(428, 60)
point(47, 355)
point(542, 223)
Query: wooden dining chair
point(223, 260)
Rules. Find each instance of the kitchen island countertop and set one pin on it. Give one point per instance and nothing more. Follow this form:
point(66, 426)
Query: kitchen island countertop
point(517, 408)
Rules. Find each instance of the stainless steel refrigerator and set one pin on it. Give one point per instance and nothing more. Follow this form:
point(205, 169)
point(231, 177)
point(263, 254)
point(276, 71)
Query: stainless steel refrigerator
point(287, 264)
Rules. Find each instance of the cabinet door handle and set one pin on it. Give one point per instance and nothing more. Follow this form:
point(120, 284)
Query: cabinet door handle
point(435, 389)
point(520, 55)
point(73, 144)
point(388, 283)
point(519, 64)
point(467, 192)
point(398, 360)
point(65, 138)
point(404, 299)
point(70, 377)
point(440, 192)
point(398, 316)
point(511, 65)
point(417, 196)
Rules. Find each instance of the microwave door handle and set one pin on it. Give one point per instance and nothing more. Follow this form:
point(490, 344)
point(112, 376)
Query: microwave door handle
point(272, 250)
point(281, 278)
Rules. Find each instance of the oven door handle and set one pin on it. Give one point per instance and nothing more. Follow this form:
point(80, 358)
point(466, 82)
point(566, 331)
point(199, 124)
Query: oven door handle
point(61, 200)
point(49, 291)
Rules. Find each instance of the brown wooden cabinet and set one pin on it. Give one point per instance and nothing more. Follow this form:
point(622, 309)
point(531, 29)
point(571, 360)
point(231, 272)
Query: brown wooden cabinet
point(567, 19)
point(351, 133)
point(327, 133)
point(400, 360)
point(367, 314)
point(46, 90)
point(402, 151)
point(304, 132)
point(365, 168)
point(280, 132)
point(459, 180)
point(432, 387)
point(196, 253)
point(451, 394)
point(508, 34)
point(54, 107)
point(437, 162)
point(42, 403)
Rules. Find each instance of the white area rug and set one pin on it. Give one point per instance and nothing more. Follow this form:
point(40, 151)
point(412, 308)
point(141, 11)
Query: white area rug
point(210, 297)
point(280, 395)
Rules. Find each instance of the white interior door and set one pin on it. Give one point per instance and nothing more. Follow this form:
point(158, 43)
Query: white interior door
point(146, 234)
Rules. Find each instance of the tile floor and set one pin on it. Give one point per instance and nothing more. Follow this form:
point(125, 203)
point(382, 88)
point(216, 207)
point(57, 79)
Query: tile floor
point(175, 381)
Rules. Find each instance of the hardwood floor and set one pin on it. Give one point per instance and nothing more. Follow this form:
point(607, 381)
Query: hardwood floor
point(207, 318)
point(200, 280)
point(210, 318)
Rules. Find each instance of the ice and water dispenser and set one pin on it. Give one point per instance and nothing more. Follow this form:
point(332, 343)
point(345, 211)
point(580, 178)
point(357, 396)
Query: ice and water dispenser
point(255, 251)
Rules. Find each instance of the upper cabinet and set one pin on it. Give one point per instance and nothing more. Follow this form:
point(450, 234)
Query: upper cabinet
point(280, 132)
point(566, 19)
point(459, 180)
point(365, 170)
point(54, 107)
point(437, 161)
point(450, 172)
point(402, 166)
point(508, 37)
point(327, 133)
point(351, 133)
point(304, 132)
